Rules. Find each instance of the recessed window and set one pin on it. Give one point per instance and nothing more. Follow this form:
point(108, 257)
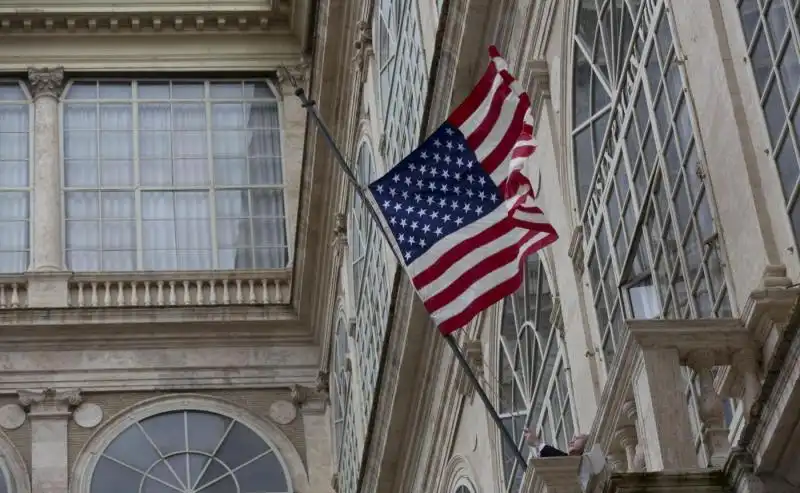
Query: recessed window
point(173, 175)
point(189, 452)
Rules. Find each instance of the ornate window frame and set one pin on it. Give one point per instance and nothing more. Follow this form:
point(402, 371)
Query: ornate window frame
point(285, 451)
point(458, 473)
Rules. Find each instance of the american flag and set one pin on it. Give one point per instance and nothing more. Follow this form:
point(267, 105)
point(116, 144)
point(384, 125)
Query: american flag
point(461, 207)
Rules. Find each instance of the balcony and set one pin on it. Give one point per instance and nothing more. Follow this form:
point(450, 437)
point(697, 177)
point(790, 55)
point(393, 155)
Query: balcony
point(157, 289)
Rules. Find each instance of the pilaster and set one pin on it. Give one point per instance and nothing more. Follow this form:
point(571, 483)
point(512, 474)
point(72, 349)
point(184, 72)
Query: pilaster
point(49, 412)
point(710, 405)
point(663, 415)
point(312, 404)
point(294, 131)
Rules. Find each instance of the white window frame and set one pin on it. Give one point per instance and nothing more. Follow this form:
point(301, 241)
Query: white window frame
point(209, 132)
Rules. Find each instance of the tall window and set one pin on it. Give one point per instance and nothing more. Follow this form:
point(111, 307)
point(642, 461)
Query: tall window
point(180, 175)
point(387, 15)
point(772, 33)
point(340, 395)
point(404, 97)
point(534, 392)
point(371, 288)
point(651, 243)
point(346, 451)
point(14, 178)
point(186, 452)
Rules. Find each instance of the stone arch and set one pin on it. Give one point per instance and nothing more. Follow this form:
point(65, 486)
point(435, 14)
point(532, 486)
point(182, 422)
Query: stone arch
point(286, 453)
point(13, 467)
point(458, 472)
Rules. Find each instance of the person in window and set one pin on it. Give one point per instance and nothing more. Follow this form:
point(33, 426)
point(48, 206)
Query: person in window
point(543, 450)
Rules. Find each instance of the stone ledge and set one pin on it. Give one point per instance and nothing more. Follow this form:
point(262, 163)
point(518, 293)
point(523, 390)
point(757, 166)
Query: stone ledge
point(699, 481)
point(554, 475)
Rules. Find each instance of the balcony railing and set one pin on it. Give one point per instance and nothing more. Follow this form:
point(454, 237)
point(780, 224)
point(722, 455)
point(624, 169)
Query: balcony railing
point(144, 289)
point(13, 292)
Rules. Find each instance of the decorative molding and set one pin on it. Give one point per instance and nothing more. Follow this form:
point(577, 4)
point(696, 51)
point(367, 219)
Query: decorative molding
point(88, 415)
point(49, 402)
point(299, 72)
point(473, 353)
point(364, 50)
point(46, 82)
point(282, 412)
point(143, 21)
point(12, 416)
point(307, 397)
point(575, 250)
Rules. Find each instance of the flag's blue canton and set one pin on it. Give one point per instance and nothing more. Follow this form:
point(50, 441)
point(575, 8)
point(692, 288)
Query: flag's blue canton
point(438, 189)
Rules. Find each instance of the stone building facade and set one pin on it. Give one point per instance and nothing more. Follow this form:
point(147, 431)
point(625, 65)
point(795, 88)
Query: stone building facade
point(181, 255)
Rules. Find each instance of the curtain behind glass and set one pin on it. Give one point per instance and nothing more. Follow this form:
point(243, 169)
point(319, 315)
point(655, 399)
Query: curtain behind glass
point(14, 181)
point(209, 166)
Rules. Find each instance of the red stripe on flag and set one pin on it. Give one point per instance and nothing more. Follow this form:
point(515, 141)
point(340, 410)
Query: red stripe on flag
point(493, 295)
point(498, 101)
point(506, 144)
point(475, 98)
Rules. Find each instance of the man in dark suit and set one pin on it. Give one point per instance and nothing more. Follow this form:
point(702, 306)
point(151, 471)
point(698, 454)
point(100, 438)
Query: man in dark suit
point(543, 450)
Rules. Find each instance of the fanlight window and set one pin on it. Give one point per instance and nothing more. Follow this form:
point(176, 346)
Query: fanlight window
point(189, 452)
point(534, 391)
point(650, 240)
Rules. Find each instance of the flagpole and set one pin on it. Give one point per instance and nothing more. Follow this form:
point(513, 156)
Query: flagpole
point(310, 107)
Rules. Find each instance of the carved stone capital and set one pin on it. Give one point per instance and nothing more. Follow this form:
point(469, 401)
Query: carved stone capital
point(629, 409)
point(473, 353)
point(46, 81)
point(298, 72)
point(49, 402)
point(701, 359)
point(308, 398)
point(626, 436)
point(340, 231)
point(364, 50)
point(323, 382)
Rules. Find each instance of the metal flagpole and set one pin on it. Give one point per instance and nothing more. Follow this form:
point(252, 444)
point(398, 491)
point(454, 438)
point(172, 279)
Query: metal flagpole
point(310, 107)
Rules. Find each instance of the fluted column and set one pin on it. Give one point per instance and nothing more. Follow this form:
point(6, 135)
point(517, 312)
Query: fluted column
point(626, 436)
point(46, 85)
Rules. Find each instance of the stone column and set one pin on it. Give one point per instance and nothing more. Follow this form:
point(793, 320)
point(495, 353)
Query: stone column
point(49, 412)
point(627, 439)
point(710, 406)
point(46, 85)
point(47, 280)
point(659, 388)
point(313, 406)
point(744, 361)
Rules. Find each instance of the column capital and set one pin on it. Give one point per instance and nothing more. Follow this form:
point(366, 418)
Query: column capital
point(299, 72)
point(49, 402)
point(629, 408)
point(46, 81)
point(626, 436)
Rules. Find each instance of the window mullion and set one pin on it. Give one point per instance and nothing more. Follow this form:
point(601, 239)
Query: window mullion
point(137, 193)
point(212, 185)
point(98, 149)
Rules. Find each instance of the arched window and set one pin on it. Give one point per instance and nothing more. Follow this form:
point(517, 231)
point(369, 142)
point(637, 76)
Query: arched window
point(173, 175)
point(534, 391)
point(189, 452)
point(360, 220)
point(14, 177)
point(340, 390)
point(387, 20)
point(650, 241)
point(371, 288)
point(772, 33)
point(463, 489)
